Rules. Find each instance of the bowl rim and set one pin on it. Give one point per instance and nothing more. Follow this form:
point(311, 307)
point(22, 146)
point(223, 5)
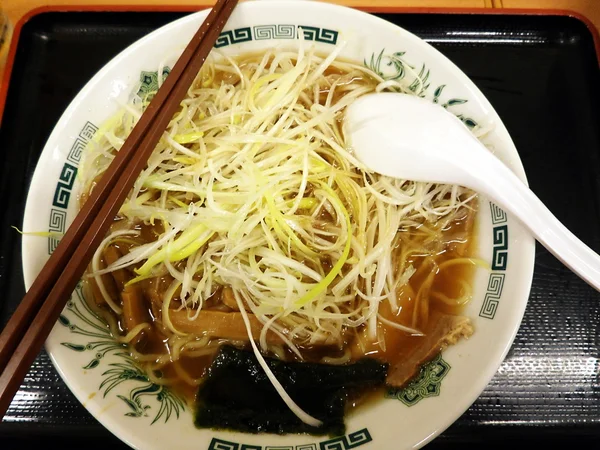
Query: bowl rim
point(527, 246)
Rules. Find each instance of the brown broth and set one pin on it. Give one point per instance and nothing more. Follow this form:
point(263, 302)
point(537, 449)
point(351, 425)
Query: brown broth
point(397, 343)
point(458, 241)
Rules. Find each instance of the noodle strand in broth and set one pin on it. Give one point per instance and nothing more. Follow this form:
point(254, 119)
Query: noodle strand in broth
point(254, 223)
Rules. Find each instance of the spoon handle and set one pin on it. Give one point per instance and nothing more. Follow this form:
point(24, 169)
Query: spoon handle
point(509, 192)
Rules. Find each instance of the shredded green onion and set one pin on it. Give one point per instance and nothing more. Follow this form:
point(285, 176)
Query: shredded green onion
point(256, 189)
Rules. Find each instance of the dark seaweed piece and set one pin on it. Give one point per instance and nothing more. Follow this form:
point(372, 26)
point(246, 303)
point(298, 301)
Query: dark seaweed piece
point(237, 395)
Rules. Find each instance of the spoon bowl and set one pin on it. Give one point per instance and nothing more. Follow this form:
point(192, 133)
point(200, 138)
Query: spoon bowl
point(407, 137)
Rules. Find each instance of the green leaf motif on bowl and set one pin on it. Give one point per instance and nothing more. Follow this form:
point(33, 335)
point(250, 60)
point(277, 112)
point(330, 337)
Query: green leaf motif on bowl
point(394, 67)
point(426, 384)
point(81, 320)
point(149, 83)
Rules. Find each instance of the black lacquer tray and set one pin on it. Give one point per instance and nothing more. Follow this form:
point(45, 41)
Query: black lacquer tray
point(542, 75)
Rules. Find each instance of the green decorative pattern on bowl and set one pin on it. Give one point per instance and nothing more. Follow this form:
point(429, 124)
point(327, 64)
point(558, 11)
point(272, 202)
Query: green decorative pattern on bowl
point(98, 369)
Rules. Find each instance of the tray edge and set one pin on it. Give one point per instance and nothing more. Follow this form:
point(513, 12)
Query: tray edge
point(191, 8)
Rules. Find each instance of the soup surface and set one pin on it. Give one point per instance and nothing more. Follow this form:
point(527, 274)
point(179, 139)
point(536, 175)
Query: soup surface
point(254, 223)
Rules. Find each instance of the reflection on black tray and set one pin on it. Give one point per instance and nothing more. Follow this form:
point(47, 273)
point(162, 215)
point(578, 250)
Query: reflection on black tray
point(540, 73)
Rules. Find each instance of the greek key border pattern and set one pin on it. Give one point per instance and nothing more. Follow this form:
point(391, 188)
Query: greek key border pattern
point(493, 292)
point(347, 442)
point(276, 31)
point(62, 194)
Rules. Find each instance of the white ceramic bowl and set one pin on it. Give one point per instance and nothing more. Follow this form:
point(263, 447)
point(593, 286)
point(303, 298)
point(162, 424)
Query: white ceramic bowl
point(147, 417)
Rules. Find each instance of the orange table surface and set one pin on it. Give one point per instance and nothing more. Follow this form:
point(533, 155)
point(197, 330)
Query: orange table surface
point(16, 9)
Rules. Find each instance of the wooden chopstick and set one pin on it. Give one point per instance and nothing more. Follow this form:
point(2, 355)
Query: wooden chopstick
point(29, 326)
point(22, 317)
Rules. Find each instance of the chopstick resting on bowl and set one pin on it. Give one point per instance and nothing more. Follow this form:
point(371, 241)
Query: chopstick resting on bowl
point(29, 326)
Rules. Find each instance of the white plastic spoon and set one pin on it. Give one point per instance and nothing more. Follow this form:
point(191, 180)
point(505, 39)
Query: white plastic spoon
point(407, 137)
